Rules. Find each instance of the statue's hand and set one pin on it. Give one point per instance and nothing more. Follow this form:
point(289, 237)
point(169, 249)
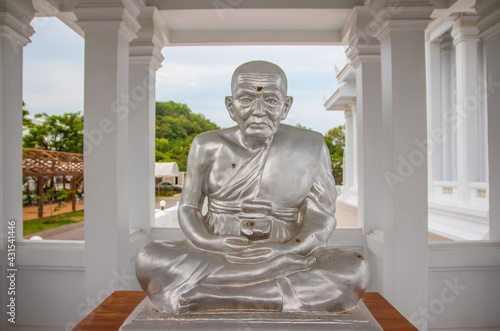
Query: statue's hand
point(231, 244)
point(261, 252)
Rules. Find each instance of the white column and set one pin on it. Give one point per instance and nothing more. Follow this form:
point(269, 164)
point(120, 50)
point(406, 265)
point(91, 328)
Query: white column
point(447, 110)
point(401, 33)
point(489, 28)
point(466, 39)
point(145, 59)
point(348, 152)
point(106, 141)
point(434, 116)
point(354, 148)
point(15, 31)
point(364, 53)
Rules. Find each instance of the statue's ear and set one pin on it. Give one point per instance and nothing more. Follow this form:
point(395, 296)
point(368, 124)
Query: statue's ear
point(288, 105)
point(229, 106)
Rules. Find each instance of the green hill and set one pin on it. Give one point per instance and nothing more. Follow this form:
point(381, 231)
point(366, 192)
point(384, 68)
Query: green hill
point(176, 127)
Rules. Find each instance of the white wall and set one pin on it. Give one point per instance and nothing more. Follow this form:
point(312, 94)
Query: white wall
point(51, 283)
point(464, 286)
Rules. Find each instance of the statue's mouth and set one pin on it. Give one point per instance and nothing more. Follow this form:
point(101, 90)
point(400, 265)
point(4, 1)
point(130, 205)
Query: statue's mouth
point(259, 125)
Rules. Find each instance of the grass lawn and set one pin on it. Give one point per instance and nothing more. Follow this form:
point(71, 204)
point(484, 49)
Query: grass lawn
point(33, 226)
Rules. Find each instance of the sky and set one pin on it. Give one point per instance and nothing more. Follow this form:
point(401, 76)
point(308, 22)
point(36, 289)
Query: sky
point(196, 76)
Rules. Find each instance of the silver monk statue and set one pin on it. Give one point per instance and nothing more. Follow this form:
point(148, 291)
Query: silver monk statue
point(271, 202)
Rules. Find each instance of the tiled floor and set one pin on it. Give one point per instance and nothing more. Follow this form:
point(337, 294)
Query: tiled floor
point(347, 216)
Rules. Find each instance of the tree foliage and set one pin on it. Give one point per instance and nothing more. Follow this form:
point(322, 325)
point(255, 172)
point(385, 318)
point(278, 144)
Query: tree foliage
point(335, 140)
point(27, 122)
point(63, 133)
point(176, 127)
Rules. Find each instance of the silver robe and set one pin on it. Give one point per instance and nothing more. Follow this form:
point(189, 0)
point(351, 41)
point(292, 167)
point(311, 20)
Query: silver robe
point(282, 192)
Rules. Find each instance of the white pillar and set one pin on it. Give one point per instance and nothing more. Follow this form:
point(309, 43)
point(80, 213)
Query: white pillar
point(145, 59)
point(354, 148)
point(348, 152)
point(447, 110)
point(15, 31)
point(434, 116)
point(489, 28)
point(402, 46)
point(466, 39)
point(364, 53)
point(106, 140)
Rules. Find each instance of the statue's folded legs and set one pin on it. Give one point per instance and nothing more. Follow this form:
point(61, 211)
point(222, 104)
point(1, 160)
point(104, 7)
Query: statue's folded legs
point(331, 279)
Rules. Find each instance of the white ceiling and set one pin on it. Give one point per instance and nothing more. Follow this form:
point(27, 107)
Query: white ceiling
point(253, 26)
point(255, 19)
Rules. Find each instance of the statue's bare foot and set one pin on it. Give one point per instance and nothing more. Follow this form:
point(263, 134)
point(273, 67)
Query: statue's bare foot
point(257, 297)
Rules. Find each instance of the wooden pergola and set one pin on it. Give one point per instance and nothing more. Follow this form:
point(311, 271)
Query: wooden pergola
point(46, 164)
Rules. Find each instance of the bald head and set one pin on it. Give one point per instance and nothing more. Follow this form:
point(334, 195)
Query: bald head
point(259, 101)
point(259, 71)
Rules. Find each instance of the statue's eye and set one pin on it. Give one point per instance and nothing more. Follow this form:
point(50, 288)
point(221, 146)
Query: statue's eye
point(245, 100)
point(271, 101)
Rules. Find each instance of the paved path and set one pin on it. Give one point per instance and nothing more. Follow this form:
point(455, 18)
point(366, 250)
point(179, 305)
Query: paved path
point(73, 231)
point(346, 215)
point(170, 202)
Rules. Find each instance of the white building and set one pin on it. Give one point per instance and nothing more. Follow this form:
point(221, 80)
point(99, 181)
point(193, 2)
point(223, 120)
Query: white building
point(441, 286)
point(344, 99)
point(457, 142)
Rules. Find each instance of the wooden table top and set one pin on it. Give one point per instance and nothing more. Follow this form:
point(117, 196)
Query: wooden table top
point(113, 311)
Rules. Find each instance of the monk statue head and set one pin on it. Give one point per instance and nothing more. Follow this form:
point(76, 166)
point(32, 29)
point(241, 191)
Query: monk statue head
point(259, 102)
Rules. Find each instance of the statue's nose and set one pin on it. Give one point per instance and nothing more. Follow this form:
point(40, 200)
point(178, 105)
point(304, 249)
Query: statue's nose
point(259, 108)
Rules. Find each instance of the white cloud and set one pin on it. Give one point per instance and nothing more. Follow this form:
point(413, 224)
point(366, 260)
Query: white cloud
point(197, 76)
point(53, 69)
point(200, 77)
point(53, 86)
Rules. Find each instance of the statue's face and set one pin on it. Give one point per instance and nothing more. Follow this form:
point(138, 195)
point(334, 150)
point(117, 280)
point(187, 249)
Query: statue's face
point(258, 104)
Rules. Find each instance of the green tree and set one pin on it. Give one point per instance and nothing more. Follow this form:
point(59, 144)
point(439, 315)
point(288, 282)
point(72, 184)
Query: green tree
point(176, 127)
point(27, 122)
point(63, 133)
point(335, 140)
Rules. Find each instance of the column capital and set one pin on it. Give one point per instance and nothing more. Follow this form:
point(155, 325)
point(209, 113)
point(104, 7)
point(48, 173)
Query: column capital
point(404, 15)
point(446, 42)
point(146, 48)
point(120, 15)
point(489, 18)
point(348, 112)
point(15, 18)
point(464, 28)
point(363, 45)
point(359, 52)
